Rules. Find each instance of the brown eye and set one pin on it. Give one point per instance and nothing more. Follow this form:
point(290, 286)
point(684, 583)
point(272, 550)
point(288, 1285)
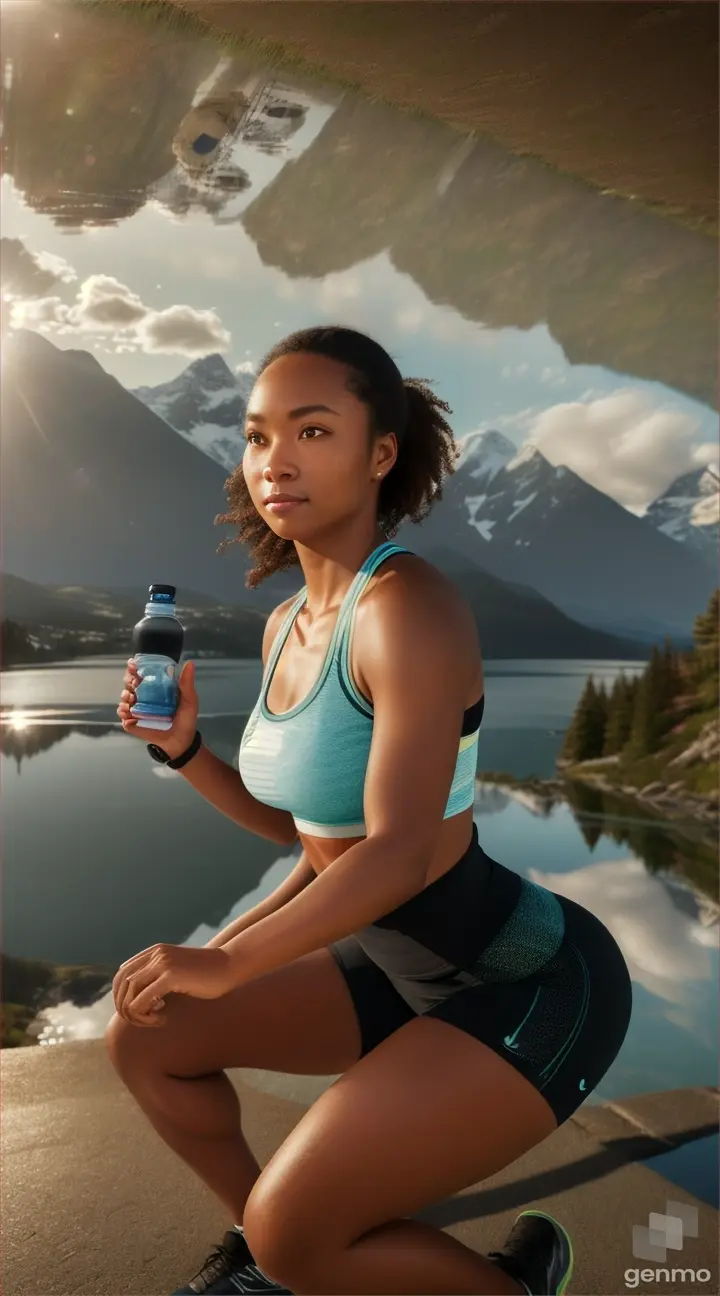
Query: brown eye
point(319, 430)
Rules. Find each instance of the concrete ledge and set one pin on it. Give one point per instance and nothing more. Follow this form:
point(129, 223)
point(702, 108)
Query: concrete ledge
point(94, 1204)
point(666, 1118)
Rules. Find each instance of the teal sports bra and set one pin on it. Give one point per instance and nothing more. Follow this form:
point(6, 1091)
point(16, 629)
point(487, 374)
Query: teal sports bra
point(312, 759)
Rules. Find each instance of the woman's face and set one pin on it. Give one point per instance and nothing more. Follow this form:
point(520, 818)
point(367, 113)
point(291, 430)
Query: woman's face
point(308, 462)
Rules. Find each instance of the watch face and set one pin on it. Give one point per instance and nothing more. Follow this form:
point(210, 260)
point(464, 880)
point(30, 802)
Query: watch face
point(158, 754)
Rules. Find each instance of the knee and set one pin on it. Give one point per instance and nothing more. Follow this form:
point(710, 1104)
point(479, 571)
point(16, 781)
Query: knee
point(130, 1048)
point(280, 1235)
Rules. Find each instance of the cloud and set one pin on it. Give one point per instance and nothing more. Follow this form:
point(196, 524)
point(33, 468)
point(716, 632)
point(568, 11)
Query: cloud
point(183, 330)
point(43, 314)
point(707, 455)
point(623, 443)
point(666, 945)
point(245, 366)
point(31, 274)
point(552, 377)
point(56, 265)
point(519, 422)
point(106, 306)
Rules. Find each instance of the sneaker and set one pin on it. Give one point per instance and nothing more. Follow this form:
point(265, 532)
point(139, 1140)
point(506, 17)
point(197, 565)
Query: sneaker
point(538, 1253)
point(229, 1270)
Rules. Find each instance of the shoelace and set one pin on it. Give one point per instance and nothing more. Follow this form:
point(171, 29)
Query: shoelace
point(217, 1262)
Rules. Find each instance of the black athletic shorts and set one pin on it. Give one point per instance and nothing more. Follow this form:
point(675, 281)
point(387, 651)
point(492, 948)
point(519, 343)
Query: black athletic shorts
point(534, 976)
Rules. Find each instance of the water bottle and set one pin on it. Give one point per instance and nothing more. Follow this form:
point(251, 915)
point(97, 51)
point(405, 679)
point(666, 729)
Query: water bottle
point(157, 649)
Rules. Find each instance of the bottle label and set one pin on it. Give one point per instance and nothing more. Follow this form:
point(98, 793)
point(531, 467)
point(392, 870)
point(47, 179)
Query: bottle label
point(157, 692)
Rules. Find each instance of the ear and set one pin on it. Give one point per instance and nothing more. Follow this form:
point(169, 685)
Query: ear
point(384, 456)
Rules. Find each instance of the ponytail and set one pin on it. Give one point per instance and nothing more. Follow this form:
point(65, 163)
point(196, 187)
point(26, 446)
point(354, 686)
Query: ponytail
point(426, 456)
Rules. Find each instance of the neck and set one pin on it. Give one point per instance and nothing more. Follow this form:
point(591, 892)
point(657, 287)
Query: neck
point(330, 566)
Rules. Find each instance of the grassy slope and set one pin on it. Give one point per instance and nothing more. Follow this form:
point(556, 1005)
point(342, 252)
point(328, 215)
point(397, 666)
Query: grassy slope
point(700, 778)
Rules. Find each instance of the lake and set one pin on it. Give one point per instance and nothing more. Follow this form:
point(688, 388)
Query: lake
point(107, 853)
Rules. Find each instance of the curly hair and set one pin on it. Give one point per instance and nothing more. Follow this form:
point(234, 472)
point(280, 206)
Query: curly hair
point(406, 407)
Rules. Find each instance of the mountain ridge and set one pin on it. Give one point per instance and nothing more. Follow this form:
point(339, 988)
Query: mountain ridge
point(206, 404)
point(514, 514)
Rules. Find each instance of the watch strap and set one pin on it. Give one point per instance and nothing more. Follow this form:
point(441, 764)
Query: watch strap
point(187, 755)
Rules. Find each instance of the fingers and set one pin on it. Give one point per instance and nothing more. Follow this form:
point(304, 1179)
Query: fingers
point(131, 678)
point(132, 977)
point(154, 1018)
point(146, 1001)
point(187, 677)
point(127, 1008)
point(128, 698)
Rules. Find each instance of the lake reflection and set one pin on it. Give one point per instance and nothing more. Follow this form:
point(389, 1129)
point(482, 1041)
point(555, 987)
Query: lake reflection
point(125, 854)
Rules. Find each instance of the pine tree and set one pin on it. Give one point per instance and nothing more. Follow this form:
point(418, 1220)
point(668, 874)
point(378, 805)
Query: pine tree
point(16, 647)
point(669, 676)
point(585, 736)
point(706, 662)
point(620, 715)
point(649, 719)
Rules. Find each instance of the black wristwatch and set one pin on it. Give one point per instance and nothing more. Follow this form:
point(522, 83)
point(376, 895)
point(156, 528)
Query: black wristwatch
point(162, 757)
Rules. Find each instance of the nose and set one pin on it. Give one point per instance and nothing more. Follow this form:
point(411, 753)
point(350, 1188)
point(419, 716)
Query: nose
point(278, 465)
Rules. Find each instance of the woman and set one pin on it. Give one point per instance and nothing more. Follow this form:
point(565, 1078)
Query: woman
point(469, 1012)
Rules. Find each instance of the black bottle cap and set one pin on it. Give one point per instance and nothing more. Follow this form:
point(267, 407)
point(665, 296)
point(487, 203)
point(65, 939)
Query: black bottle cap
point(162, 593)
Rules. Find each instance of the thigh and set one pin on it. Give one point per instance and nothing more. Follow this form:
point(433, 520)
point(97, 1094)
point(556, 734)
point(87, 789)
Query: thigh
point(299, 1018)
point(429, 1112)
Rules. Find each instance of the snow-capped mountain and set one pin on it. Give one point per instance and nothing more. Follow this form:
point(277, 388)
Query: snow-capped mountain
point(517, 516)
point(206, 404)
point(498, 482)
point(689, 511)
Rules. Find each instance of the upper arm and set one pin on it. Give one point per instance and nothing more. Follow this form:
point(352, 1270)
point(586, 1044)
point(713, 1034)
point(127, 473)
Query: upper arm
point(419, 654)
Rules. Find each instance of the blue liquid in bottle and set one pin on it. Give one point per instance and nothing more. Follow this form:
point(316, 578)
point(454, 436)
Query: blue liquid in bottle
point(157, 649)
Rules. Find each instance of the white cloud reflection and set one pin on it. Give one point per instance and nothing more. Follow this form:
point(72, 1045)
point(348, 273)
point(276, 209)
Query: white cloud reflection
point(669, 940)
point(67, 1021)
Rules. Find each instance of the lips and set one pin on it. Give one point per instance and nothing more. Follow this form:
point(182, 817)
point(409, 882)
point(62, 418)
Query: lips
point(281, 504)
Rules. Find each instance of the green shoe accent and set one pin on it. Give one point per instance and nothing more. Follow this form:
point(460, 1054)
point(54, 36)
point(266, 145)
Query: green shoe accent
point(571, 1258)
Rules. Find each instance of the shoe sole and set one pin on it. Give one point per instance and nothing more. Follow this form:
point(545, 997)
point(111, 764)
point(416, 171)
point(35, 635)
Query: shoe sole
point(570, 1256)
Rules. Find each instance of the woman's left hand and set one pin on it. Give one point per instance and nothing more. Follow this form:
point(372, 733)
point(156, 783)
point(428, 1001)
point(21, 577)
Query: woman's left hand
point(142, 982)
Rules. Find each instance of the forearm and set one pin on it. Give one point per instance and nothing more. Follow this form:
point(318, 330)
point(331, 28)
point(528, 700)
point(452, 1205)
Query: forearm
point(301, 876)
point(366, 882)
point(223, 787)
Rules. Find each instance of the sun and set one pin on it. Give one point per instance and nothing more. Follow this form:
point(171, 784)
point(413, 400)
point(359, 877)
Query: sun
point(19, 721)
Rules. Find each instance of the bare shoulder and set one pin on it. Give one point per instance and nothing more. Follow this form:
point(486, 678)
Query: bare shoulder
point(273, 623)
point(410, 602)
point(409, 586)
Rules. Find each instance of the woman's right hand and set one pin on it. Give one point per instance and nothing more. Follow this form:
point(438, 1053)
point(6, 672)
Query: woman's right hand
point(179, 736)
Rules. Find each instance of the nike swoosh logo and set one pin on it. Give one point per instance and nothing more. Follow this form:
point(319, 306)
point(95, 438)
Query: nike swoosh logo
point(582, 1085)
point(509, 1042)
